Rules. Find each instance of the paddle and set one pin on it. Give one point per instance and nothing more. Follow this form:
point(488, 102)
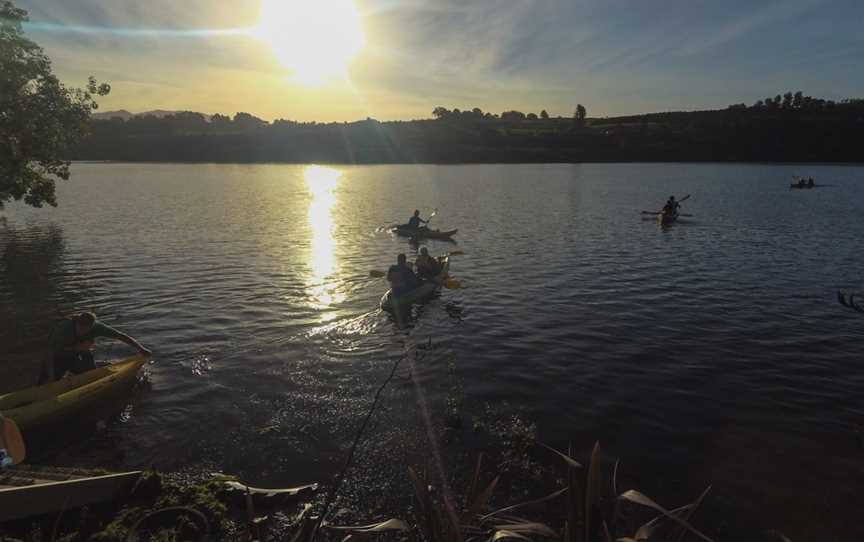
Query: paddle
point(11, 443)
point(685, 198)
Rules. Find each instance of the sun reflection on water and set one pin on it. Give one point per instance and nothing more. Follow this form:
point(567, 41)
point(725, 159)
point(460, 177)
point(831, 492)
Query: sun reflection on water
point(321, 182)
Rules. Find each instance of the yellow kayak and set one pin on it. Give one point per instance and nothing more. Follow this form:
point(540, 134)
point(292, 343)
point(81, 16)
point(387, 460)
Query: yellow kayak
point(51, 403)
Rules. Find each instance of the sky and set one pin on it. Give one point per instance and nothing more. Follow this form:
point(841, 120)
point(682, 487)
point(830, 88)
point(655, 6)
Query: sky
point(614, 56)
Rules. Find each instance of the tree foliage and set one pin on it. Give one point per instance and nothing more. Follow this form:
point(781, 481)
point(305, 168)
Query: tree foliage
point(817, 131)
point(40, 119)
point(513, 116)
point(579, 116)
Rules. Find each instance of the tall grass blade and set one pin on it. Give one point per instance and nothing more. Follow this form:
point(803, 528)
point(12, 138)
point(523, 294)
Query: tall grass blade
point(567, 459)
point(592, 486)
point(606, 532)
point(695, 505)
point(500, 535)
point(638, 498)
point(475, 479)
point(289, 491)
point(528, 528)
point(306, 531)
point(424, 507)
point(645, 531)
point(392, 524)
point(520, 505)
point(482, 500)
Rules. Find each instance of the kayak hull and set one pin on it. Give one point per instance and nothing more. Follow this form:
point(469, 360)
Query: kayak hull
point(802, 187)
point(423, 233)
point(58, 401)
point(391, 303)
point(665, 219)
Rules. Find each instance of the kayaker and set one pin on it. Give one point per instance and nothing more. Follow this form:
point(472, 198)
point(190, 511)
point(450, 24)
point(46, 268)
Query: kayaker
point(414, 221)
point(810, 183)
point(401, 276)
point(426, 266)
point(72, 342)
point(671, 207)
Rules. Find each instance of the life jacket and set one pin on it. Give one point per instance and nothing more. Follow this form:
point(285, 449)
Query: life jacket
point(77, 339)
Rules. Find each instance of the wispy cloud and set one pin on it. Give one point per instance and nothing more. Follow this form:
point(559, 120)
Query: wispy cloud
point(616, 56)
point(774, 14)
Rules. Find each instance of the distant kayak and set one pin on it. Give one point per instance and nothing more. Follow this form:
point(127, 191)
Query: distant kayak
point(666, 219)
point(423, 233)
point(391, 302)
point(58, 401)
point(795, 185)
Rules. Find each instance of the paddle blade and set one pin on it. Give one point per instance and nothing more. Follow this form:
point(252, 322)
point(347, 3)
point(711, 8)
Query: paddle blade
point(12, 441)
point(456, 253)
point(452, 284)
point(377, 274)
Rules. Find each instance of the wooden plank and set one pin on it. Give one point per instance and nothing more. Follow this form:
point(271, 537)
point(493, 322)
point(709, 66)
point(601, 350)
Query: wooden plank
point(45, 496)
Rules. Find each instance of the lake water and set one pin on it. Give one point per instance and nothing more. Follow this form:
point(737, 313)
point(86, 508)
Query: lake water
point(712, 352)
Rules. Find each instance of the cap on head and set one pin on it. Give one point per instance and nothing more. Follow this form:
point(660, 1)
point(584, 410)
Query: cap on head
point(424, 251)
point(400, 258)
point(416, 212)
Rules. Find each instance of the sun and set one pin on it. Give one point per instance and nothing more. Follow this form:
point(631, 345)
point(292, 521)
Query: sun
point(314, 39)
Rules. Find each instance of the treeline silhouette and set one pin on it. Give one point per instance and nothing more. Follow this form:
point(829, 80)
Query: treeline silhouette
point(791, 127)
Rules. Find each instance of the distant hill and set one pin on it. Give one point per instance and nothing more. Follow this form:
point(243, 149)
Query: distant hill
point(126, 115)
point(108, 115)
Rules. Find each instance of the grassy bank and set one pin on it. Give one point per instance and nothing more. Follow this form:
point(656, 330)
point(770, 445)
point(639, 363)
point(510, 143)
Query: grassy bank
point(582, 503)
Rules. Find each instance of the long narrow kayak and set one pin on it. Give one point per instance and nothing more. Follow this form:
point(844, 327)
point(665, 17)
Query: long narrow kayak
point(57, 401)
point(796, 185)
point(391, 302)
point(423, 233)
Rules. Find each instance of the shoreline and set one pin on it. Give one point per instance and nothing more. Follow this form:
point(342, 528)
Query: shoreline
point(376, 164)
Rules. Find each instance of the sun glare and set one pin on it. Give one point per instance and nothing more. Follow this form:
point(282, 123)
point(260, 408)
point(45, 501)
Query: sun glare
point(321, 182)
point(315, 39)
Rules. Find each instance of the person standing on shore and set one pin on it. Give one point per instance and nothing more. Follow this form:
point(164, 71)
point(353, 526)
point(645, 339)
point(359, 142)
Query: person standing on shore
point(72, 342)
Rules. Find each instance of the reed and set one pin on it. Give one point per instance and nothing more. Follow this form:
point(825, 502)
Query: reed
point(588, 510)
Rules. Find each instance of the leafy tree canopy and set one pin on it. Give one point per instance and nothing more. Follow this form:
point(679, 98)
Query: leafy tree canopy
point(40, 119)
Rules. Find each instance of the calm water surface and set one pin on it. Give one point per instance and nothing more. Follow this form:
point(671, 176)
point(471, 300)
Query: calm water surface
point(711, 352)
